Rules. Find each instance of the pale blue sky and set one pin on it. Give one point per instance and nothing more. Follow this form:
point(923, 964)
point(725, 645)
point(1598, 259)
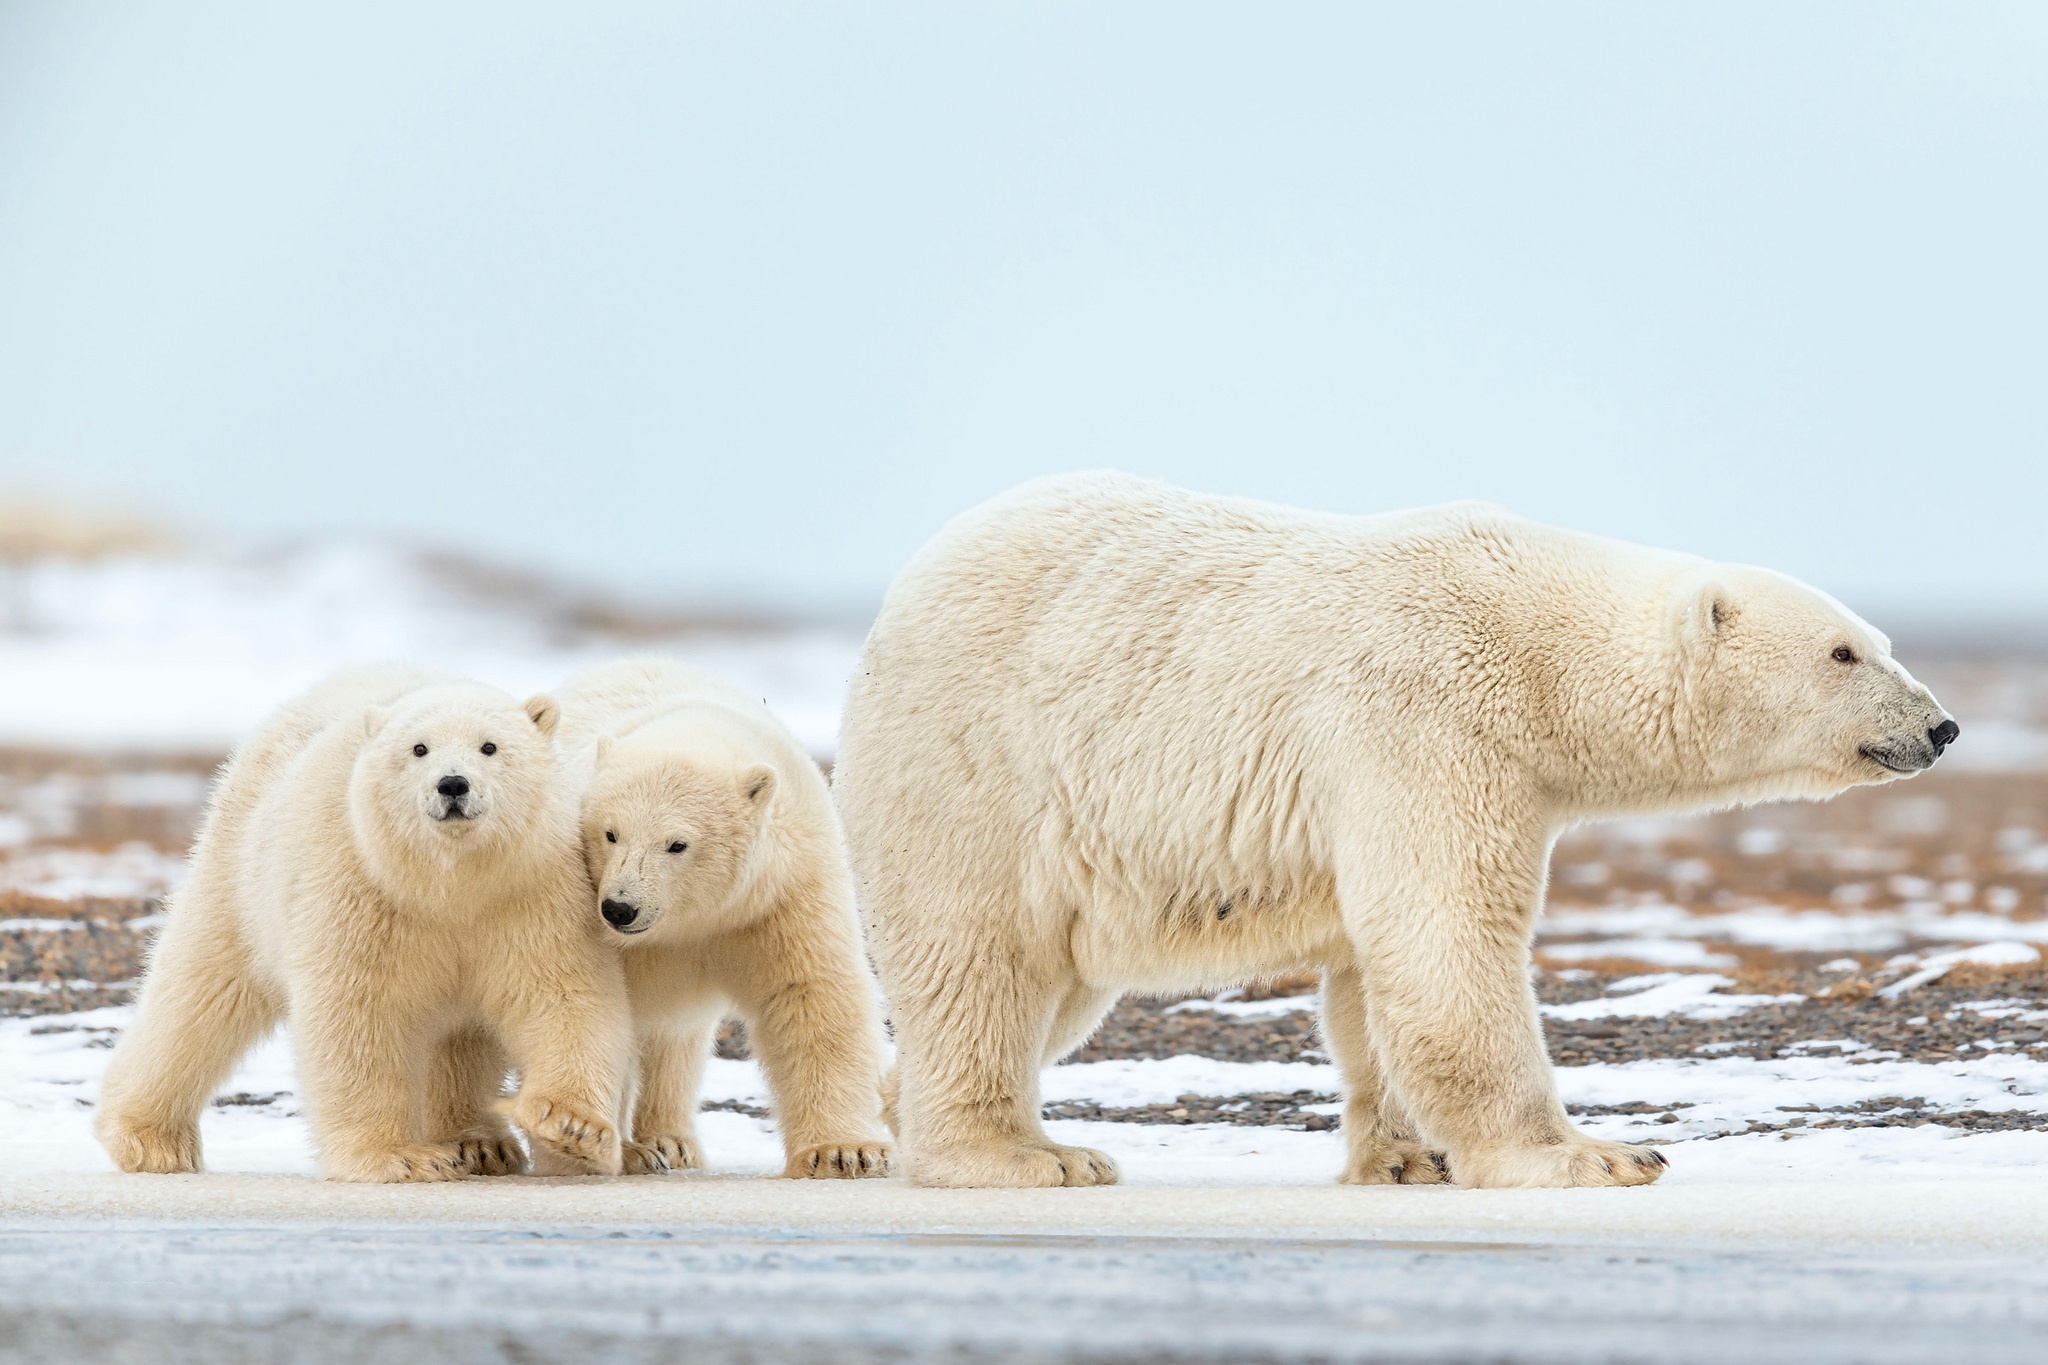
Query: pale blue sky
point(743, 300)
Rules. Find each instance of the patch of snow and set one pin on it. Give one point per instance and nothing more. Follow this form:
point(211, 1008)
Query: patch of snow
point(1248, 1009)
point(1790, 930)
point(2005, 953)
point(1690, 996)
point(65, 874)
point(1663, 952)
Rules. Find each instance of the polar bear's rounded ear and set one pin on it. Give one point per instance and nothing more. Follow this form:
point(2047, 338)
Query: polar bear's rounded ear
point(758, 783)
point(604, 749)
point(373, 720)
point(1706, 612)
point(543, 710)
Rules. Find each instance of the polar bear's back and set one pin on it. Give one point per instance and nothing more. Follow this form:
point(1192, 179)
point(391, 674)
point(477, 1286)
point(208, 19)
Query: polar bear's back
point(1098, 680)
point(620, 698)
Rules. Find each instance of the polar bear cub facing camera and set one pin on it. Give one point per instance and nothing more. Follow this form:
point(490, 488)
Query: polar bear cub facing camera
point(393, 865)
point(718, 863)
point(1107, 735)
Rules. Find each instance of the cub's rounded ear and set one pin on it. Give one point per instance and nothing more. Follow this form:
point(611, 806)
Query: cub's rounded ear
point(544, 711)
point(604, 749)
point(373, 720)
point(758, 783)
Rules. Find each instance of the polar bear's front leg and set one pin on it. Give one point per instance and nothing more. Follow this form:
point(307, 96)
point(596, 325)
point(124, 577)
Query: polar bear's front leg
point(665, 1110)
point(1440, 917)
point(566, 1023)
point(465, 1093)
point(813, 1024)
point(1380, 1141)
point(360, 1062)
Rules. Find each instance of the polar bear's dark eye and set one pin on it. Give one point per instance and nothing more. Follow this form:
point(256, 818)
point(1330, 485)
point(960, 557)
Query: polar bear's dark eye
point(419, 751)
point(1844, 655)
point(677, 847)
point(610, 837)
point(490, 749)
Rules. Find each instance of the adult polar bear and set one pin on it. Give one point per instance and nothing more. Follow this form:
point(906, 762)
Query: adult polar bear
point(1110, 735)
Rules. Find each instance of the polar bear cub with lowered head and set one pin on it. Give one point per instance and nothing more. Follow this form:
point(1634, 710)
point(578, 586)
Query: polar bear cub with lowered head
point(1109, 735)
point(393, 865)
point(719, 866)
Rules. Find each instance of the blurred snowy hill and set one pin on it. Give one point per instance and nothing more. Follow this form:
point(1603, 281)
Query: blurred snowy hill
point(115, 638)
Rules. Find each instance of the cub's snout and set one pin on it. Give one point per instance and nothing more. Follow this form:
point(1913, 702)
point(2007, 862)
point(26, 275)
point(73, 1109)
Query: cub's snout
point(456, 799)
point(620, 915)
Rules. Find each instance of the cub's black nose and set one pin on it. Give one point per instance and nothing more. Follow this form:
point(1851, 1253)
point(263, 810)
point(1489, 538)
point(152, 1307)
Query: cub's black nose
point(453, 786)
point(1943, 735)
point(618, 914)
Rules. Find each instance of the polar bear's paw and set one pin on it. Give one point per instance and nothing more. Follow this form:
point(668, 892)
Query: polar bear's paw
point(589, 1144)
point(412, 1163)
point(167, 1150)
point(1020, 1167)
point(1576, 1163)
point(487, 1153)
point(659, 1155)
point(1396, 1163)
point(838, 1161)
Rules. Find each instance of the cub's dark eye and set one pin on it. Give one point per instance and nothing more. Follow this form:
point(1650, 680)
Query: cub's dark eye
point(677, 847)
point(1844, 655)
point(610, 837)
point(490, 749)
point(419, 751)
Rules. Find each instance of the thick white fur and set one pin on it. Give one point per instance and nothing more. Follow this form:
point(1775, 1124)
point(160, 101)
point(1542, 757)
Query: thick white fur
point(416, 956)
point(754, 916)
point(1109, 735)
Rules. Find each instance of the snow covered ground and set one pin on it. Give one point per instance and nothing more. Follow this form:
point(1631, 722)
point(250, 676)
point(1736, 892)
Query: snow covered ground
point(50, 1068)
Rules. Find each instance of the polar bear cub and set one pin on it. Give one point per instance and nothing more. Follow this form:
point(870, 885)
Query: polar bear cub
point(718, 862)
point(1108, 735)
point(393, 865)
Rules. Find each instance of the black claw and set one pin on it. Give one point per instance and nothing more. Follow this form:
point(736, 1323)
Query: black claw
point(1660, 1158)
point(1395, 1172)
point(1436, 1159)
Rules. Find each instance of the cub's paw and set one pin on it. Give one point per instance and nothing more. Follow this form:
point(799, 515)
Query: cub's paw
point(1396, 1163)
point(838, 1161)
point(1014, 1167)
point(1576, 1163)
point(590, 1143)
point(486, 1153)
point(413, 1163)
point(659, 1155)
point(172, 1150)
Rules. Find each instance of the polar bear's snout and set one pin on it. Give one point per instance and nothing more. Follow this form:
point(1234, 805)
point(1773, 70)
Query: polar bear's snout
point(620, 915)
point(455, 799)
point(1911, 753)
point(1944, 734)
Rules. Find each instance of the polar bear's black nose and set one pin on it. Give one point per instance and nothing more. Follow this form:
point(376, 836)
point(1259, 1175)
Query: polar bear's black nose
point(1943, 735)
point(618, 914)
point(453, 786)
